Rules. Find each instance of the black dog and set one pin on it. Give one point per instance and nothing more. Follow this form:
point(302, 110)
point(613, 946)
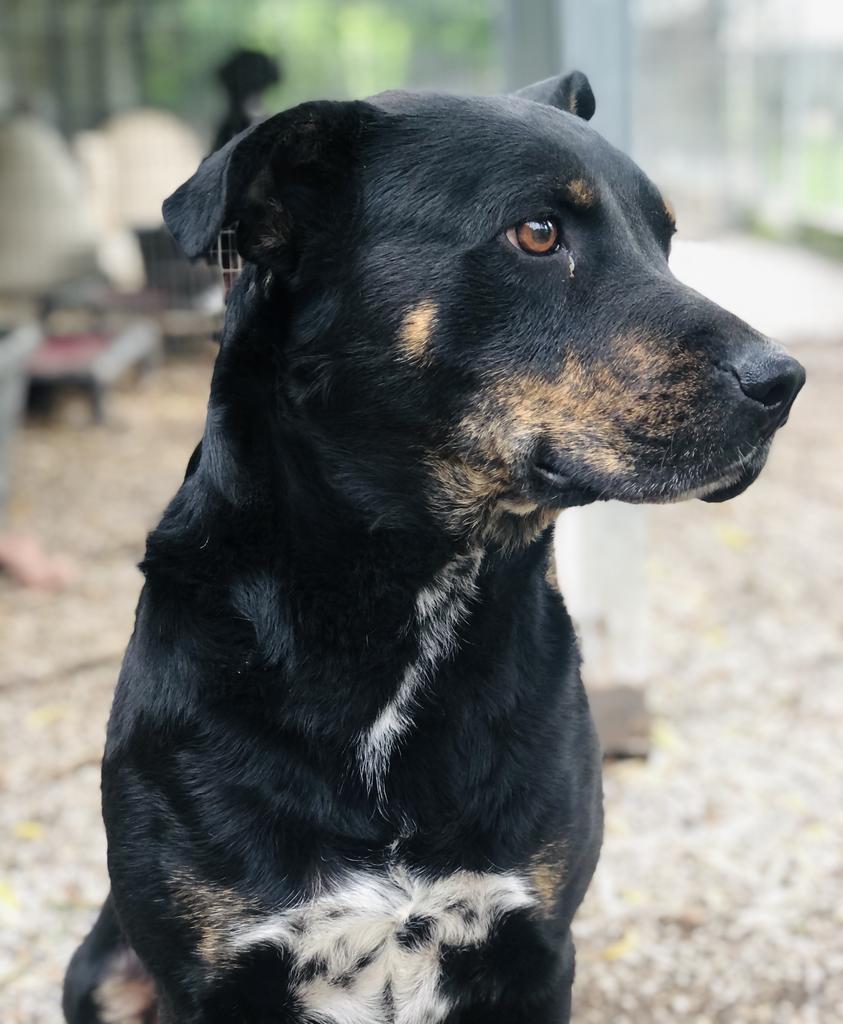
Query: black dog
point(351, 775)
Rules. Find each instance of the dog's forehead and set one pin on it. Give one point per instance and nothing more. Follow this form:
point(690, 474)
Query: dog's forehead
point(492, 111)
point(495, 122)
point(466, 144)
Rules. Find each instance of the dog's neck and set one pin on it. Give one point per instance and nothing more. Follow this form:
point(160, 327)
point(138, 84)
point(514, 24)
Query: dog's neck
point(363, 620)
point(327, 596)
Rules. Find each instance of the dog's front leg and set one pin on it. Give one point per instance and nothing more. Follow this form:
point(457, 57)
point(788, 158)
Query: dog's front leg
point(550, 1007)
point(555, 1009)
point(257, 989)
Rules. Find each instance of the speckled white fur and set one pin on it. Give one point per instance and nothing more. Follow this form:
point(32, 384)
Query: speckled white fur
point(352, 932)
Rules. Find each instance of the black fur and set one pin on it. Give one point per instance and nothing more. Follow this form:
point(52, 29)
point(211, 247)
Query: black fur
point(570, 92)
point(399, 390)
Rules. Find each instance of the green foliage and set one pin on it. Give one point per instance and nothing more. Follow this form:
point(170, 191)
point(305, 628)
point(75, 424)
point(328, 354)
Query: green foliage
point(328, 48)
point(822, 162)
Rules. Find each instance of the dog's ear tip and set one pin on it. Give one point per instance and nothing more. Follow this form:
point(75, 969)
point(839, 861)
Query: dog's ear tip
point(575, 79)
point(580, 95)
point(570, 92)
point(195, 212)
point(170, 209)
point(181, 225)
point(577, 95)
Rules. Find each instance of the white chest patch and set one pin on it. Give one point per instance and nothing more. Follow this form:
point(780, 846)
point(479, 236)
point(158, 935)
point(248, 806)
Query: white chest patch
point(439, 609)
point(367, 951)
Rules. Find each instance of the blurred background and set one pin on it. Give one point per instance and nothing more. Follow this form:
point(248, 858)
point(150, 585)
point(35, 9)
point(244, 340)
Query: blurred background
point(719, 897)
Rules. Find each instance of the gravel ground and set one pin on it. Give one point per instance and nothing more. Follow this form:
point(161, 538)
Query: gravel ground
point(719, 897)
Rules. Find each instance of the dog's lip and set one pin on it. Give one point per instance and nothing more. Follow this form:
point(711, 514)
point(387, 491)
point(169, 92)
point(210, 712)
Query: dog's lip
point(553, 485)
point(736, 487)
point(549, 473)
point(552, 482)
point(738, 480)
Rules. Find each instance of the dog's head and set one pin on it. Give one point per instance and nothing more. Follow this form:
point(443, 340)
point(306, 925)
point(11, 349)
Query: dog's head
point(468, 301)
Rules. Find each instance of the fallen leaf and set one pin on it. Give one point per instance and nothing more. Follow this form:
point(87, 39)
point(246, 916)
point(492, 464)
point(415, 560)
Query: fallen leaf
point(8, 897)
point(665, 737)
point(733, 536)
point(38, 718)
point(29, 830)
point(634, 897)
point(623, 947)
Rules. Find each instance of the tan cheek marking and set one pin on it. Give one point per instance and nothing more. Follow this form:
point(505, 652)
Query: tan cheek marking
point(416, 330)
point(649, 360)
point(587, 409)
point(462, 492)
point(578, 411)
point(472, 501)
point(580, 192)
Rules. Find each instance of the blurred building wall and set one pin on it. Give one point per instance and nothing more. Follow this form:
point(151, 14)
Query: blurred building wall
point(735, 107)
point(738, 110)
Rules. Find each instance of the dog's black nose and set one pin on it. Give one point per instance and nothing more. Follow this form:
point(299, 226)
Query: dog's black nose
point(773, 382)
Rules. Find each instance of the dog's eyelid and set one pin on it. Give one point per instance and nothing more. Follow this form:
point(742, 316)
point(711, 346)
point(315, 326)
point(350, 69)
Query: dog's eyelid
point(536, 212)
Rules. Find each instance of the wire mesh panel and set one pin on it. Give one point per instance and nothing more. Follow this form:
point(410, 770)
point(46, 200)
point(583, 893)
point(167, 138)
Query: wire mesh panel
point(227, 258)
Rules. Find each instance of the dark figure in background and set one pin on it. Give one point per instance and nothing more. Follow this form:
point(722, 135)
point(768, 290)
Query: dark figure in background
point(245, 76)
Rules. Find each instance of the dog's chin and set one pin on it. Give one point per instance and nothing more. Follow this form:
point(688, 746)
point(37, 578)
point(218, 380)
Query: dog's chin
point(725, 491)
point(729, 483)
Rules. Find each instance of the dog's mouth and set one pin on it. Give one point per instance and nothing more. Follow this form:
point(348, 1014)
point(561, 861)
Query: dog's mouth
point(553, 482)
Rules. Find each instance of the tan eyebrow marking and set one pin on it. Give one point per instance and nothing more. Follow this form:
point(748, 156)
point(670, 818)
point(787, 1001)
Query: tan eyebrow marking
point(416, 330)
point(670, 211)
point(580, 192)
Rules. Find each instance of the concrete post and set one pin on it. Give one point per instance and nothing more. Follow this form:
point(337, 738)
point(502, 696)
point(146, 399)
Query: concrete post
point(601, 550)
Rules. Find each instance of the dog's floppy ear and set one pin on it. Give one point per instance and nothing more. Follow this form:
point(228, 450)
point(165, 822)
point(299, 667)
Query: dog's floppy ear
point(570, 92)
point(237, 182)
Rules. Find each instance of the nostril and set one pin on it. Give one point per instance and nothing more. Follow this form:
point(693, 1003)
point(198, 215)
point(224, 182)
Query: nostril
point(768, 392)
point(773, 384)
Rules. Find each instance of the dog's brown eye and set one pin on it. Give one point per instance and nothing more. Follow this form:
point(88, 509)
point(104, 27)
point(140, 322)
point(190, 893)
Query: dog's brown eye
point(537, 237)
